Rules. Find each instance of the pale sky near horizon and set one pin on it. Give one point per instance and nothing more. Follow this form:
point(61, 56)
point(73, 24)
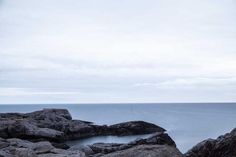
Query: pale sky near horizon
point(95, 51)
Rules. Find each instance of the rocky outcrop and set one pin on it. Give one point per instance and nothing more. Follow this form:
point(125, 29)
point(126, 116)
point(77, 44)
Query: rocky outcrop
point(22, 148)
point(159, 144)
point(134, 127)
point(100, 149)
point(147, 151)
point(43, 133)
point(223, 146)
point(57, 125)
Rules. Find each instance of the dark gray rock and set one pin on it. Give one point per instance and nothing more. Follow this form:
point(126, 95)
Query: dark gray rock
point(10, 116)
point(223, 146)
point(26, 130)
point(147, 151)
point(86, 149)
point(42, 147)
point(105, 148)
point(134, 127)
point(156, 139)
point(60, 145)
point(57, 125)
point(4, 124)
point(23, 152)
point(3, 143)
point(42, 133)
point(23, 148)
point(5, 154)
point(50, 115)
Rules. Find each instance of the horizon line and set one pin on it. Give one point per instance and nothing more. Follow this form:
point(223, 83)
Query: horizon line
point(106, 103)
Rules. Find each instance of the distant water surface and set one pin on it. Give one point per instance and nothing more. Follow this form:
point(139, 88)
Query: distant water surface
point(187, 123)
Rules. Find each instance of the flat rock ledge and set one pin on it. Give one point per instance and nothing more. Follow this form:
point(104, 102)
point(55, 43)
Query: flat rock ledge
point(44, 133)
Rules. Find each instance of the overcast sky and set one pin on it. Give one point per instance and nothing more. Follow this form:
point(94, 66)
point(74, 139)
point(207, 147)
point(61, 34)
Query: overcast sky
point(95, 51)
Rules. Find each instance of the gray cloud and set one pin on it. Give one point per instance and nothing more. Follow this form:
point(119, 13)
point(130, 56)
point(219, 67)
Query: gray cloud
point(117, 51)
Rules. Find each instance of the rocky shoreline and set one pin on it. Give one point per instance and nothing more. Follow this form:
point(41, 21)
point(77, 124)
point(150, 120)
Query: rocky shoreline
point(44, 133)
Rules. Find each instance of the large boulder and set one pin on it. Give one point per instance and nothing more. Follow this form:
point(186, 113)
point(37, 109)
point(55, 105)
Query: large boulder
point(223, 146)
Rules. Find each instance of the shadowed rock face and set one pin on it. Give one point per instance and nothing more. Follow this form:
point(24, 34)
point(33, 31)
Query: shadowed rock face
point(57, 124)
point(223, 146)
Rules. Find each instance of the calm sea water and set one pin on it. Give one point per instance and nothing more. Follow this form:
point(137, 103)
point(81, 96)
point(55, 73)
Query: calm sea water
point(187, 123)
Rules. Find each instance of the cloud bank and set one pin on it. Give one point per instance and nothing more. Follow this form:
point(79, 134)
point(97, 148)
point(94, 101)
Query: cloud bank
point(117, 51)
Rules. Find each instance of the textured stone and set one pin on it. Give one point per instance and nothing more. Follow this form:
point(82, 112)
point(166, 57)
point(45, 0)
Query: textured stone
point(223, 146)
point(147, 151)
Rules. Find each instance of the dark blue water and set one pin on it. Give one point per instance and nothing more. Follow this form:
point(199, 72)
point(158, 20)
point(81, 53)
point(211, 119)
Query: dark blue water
point(187, 123)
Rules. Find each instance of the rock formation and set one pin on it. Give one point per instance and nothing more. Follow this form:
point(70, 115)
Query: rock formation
point(223, 146)
point(43, 133)
point(57, 125)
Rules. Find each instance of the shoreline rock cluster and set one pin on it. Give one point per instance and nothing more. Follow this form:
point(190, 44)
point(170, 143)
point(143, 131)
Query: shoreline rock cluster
point(44, 134)
point(58, 125)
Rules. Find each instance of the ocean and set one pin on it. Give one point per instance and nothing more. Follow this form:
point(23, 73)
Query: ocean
point(186, 123)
